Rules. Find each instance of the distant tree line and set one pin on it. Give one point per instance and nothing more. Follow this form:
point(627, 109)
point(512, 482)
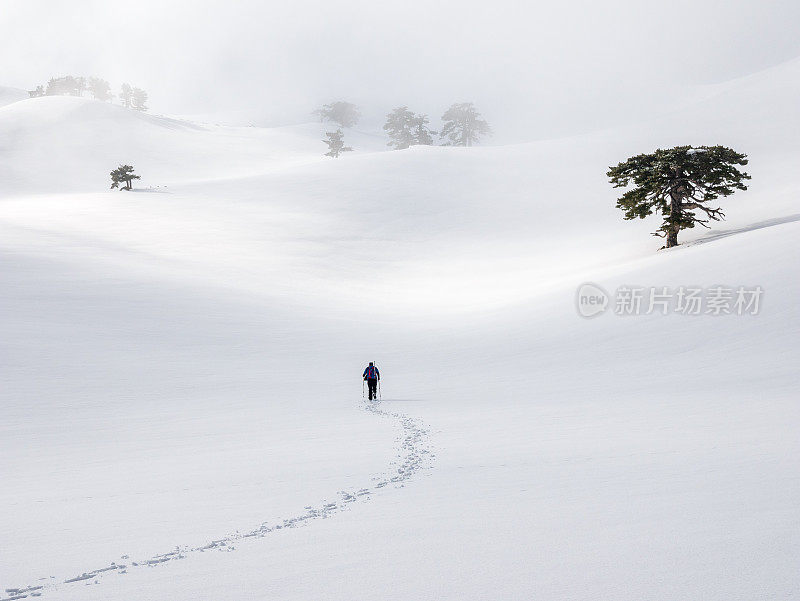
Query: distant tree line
point(97, 87)
point(462, 126)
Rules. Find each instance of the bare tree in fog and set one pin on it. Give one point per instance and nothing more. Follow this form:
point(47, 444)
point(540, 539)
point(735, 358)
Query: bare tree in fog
point(463, 125)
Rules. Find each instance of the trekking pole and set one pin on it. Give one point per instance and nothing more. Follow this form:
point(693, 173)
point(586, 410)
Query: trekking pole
point(362, 388)
point(380, 396)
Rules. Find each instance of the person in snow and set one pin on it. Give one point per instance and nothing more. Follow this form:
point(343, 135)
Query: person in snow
point(372, 375)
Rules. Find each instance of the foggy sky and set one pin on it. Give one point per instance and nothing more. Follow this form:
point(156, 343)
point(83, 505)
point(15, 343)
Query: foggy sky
point(552, 67)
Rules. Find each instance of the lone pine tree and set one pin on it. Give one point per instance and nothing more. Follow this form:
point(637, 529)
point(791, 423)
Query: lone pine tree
point(123, 174)
point(676, 183)
point(463, 125)
point(335, 143)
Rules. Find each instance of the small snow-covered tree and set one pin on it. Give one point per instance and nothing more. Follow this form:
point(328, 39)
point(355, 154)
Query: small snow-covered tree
point(123, 175)
point(463, 125)
point(344, 113)
point(99, 88)
point(335, 142)
point(126, 95)
point(39, 91)
point(676, 182)
point(139, 99)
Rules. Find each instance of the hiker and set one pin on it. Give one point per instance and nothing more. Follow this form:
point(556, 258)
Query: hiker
point(372, 375)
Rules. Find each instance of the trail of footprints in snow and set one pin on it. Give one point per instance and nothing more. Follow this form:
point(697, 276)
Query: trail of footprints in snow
point(413, 454)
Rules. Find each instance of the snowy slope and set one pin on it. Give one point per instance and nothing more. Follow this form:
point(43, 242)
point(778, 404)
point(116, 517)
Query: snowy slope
point(184, 365)
point(9, 95)
point(64, 144)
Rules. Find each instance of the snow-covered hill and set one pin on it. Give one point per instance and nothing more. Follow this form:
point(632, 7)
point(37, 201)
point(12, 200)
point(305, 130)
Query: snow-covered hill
point(9, 95)
point(66, 144)
point(184, 365)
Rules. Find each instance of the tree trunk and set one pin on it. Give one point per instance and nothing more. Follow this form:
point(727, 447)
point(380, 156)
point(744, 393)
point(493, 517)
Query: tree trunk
point(672, 238)
point(675, 198)
point(672, 223)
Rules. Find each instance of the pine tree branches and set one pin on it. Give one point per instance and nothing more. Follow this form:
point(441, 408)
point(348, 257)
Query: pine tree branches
point(676, 182)
point(463, 125)
point(406, 129)
point(123, 175)
point(335, 142)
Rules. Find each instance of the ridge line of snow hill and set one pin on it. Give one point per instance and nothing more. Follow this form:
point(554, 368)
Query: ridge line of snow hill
point(46, 110)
